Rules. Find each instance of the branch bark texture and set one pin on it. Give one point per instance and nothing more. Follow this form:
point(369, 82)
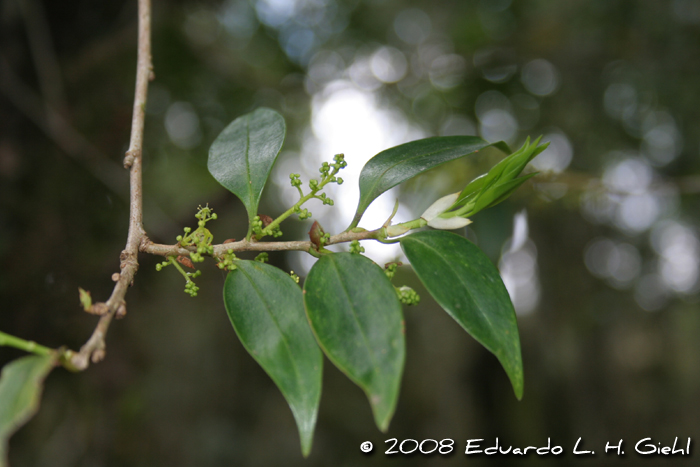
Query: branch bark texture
point(94, 348)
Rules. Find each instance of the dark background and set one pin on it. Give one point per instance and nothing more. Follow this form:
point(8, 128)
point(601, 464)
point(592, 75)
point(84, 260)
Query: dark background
point(606, 285)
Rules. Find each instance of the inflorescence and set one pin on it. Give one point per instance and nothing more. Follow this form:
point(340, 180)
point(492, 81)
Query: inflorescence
point(328, 173)
point(406, 295)
point(201, 238)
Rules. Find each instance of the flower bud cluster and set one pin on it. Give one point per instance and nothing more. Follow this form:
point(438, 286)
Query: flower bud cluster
point(390, 270)
point(201, 238)
point(227, 263)
point(356, 248)
point(190, 287)
point(328, 173)
point(302, 213)
point(260, 230)
point(407, 296)
point(262, 257)
point(295, 180)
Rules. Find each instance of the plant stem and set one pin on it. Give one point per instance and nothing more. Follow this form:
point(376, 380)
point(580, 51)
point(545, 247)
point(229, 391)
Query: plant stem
point(94, 349)
point(274, 224)
point(179, 268)
point(27, 346)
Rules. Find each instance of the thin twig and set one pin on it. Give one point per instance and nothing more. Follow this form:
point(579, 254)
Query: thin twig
point(94, 348)
point(244, 245)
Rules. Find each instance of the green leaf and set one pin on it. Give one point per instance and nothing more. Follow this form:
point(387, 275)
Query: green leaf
point(504, 190)
point(467, 285)
point(20, 391)
point(266, 309)
point(398, 164)
point(356, 317)
point(243, 154)
point(500, 192)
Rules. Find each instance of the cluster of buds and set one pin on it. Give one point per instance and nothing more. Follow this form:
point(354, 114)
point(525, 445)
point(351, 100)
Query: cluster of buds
point(407, 295)
point(453, 211)
point(328, 173)
point(338, 164)
point(190, 287)
point(302, 213)
point(356, 248)
point(201, 239)
point(227, 263)
point(262, 257)
point(261, 227)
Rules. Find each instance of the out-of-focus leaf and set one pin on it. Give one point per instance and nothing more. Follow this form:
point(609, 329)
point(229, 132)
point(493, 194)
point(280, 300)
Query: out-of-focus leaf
point(21, 384)
point(401, 163)
point(85, 299)
point(266, 309)
point(243, 154)
point(356, 317)
point(467, 285)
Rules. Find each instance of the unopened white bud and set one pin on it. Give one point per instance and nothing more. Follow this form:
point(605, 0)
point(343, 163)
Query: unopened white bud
point(449, 224)
point(440, 206)
point(396, 230)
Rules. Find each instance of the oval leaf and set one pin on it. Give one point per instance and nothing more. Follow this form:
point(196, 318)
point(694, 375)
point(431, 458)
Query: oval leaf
point(467, 285)
point(20, 391)
point(356, 317)
point(243, 154)
point(398, 164)
point(266, 309)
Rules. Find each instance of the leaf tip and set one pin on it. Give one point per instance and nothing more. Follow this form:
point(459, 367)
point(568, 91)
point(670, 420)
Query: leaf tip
point(306, 442)
point(518, 389)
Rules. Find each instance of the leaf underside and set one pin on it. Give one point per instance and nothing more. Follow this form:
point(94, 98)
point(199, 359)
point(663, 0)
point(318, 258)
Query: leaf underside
point(356, 318)
point(401, 163)
point(243, 154)
point(465, 283)
point(266, 309)
point(21, 385)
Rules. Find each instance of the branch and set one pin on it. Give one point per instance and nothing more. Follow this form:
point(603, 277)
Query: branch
point(94, 348)
point(245, 245)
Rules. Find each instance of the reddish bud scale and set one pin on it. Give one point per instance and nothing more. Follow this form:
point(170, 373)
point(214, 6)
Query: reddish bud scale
point(266, 220)
point(185, 261)
point(315, 234)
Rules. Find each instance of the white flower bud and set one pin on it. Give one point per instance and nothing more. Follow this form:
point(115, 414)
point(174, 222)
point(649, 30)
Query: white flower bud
point(439, 206)
point(449, 224)
point(396, 230)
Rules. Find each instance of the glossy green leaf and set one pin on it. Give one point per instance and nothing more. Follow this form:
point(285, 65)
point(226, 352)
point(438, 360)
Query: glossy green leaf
point(21, 384)
point(467, 285)
point(356, 317)
point(243, 154)
point(401, 163)
point(266, 309)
